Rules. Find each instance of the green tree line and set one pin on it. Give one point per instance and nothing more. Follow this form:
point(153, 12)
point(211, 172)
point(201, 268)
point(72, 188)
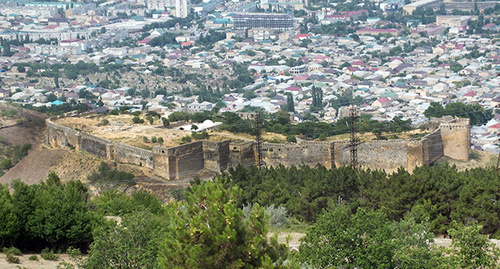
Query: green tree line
point(477, 114)
point(440, 193)
point(355, 224)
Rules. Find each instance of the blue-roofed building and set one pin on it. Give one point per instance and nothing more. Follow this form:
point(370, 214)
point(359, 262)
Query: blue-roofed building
point(57, 103)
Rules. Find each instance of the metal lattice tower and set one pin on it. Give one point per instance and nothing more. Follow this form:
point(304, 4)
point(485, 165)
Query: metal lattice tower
point(259, 141)
point(353, 143)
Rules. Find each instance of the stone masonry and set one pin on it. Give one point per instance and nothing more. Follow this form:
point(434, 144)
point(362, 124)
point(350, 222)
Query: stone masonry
point(451, 138)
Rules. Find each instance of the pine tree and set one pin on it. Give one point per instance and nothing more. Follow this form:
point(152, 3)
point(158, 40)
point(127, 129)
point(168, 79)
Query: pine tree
point(290, 106)
point(317, 96)
point(208, 230)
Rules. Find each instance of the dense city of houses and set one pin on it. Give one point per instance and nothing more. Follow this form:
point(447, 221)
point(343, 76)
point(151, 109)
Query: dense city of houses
point(368, 64)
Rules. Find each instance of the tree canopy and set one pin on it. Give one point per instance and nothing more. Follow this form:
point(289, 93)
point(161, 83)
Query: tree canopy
point(208, 230)
point(477, 114)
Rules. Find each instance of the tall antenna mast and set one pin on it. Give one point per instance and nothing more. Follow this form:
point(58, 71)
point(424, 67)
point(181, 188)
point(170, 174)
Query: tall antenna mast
point(353, 143)
point(259, 141)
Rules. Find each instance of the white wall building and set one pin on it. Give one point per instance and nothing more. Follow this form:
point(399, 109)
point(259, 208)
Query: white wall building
point(181, 8)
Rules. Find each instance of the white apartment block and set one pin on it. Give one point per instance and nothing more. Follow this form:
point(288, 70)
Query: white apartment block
point(181, 8)
point(160, 4)
point(53, 49)
point(29, 11)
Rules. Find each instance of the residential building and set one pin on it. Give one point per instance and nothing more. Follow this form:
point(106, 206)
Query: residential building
point(281, 22)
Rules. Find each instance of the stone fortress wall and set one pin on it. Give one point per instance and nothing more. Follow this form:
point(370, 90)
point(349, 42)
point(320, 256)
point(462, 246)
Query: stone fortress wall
point(451, 138)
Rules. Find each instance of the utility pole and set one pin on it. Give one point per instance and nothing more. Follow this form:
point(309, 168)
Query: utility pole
point(259, 141)
point(353, 143)
point(498, 160)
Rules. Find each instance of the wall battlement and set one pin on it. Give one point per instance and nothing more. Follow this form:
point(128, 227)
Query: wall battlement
point(450, 138)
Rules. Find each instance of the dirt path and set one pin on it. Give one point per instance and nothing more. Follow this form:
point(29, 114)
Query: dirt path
point(294, 242)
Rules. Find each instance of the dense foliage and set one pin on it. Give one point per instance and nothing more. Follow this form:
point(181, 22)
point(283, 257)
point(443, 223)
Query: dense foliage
point(280, 123)
point(208, 230)
point(60, 109)
point(51, 214)
point(131, 244)
point(477, 114)
point(440, 193)
point(359, 218)
point(368, 239)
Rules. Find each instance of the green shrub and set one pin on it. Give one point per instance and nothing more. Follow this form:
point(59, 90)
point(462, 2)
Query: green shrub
point(473, 155)
point(9, 113)
point(291, 139)
point(136, 119)
point(105, 122)
point(278, 216)
point(12, 259)
point(114, 112)
point(154, 139)
point(160, 140)
point(33, 258)
point(13, 251)
point(6, 164)
point(49, 255)
point(202, 135)
point(165, 122)
point(150, 119)
point(73, 253)
point(186, 139)
point(65, 265)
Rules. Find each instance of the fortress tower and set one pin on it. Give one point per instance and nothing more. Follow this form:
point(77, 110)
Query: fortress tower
point(456, 139)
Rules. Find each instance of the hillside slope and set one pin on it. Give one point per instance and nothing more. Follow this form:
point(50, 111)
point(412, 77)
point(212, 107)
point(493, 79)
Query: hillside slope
point(34, 167)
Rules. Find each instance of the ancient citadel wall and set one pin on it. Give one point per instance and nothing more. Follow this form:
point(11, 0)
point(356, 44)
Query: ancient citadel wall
point(61, 136)
point(241, 153)
point(185, 159)
point(297, 154)
point(414, 155)
point(341, 153)
point(171, 163)
point(160, 158)
point(215, 155)
point(129, 154)
point(379, 154)
point(452, 139)
point(432, 147)
point(95, 145)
